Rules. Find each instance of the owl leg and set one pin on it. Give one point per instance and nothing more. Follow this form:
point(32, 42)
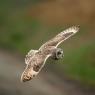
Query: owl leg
point(58, 54)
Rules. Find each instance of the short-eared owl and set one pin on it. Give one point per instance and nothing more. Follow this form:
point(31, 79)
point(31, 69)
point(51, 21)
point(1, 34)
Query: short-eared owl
point(36, 59)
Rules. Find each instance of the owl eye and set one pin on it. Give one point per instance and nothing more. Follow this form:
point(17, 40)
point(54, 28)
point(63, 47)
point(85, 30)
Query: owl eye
point(59, 53)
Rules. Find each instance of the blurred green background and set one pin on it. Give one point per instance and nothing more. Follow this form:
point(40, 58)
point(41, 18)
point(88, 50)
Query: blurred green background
point(27, 24)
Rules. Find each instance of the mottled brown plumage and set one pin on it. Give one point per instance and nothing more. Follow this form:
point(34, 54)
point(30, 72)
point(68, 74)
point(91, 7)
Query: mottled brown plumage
point(35, 59)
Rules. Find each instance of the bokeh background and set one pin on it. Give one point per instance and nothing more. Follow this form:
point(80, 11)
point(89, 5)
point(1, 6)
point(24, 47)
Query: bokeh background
point(27, 24)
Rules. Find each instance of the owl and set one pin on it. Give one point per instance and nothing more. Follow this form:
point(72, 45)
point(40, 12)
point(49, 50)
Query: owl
point(35, 59)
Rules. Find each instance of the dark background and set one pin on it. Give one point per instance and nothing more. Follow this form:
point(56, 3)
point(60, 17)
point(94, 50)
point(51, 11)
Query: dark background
point(27, 24)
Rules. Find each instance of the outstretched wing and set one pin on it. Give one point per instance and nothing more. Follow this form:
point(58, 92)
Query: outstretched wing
point(27, 74)
point(30, 54)
point(61, 36)
point(33, 67)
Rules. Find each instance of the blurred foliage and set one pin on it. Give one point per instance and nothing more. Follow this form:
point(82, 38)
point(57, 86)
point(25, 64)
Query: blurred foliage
point(20, 31)
point(81, 64)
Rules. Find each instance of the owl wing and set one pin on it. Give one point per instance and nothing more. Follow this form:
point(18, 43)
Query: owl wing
point(33, 67)
point(61, 36)
point(30, 54)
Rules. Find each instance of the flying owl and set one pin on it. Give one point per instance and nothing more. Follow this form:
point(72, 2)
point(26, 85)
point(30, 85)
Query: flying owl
point(35, 59)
